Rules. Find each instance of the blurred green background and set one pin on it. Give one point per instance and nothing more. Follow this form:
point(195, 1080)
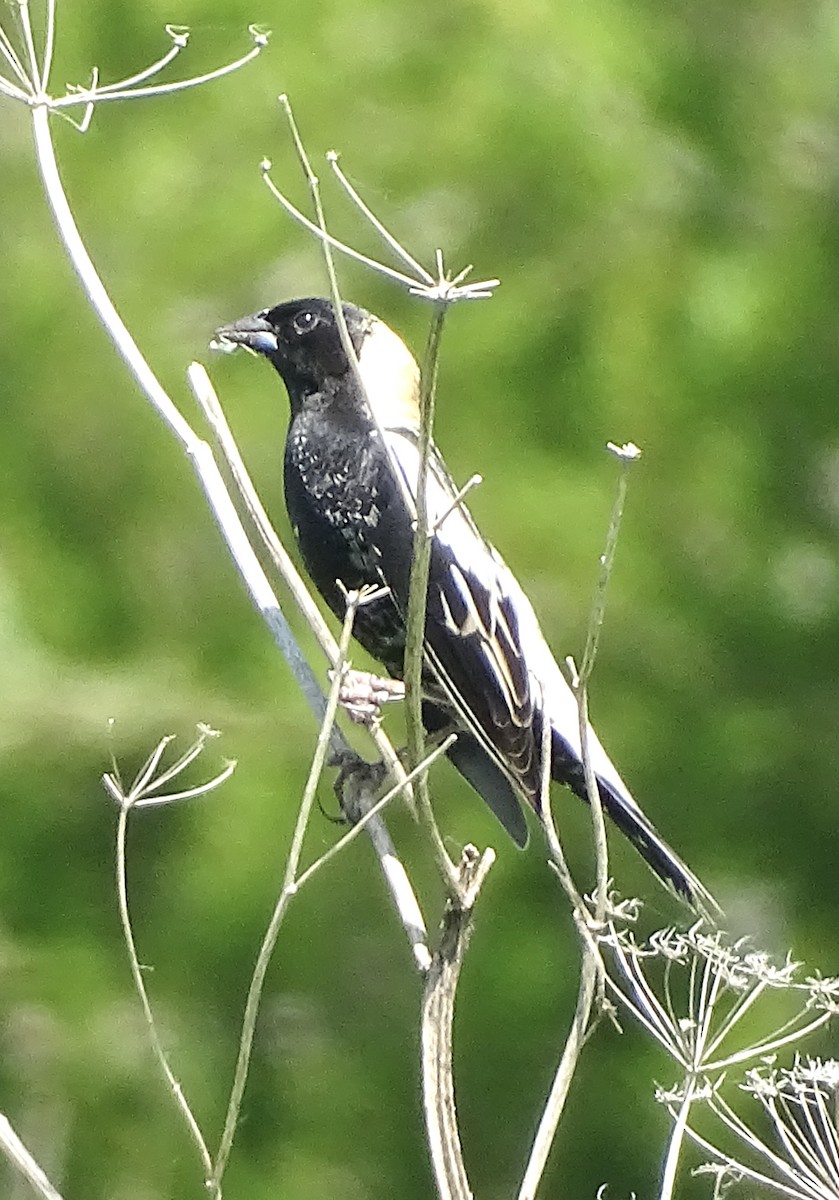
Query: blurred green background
point(656, 187)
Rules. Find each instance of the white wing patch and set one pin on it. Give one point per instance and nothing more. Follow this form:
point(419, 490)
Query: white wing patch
point(472, 622)
point(558, 700)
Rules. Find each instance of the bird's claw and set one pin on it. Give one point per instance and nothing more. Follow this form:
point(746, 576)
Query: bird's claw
point(362, 695)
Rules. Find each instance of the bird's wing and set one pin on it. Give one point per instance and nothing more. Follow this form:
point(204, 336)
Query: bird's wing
point(484, 646)
point(474, 654)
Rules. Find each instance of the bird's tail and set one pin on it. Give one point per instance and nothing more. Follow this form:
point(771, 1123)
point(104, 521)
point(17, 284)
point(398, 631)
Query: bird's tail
point(636, 826)
point(652, 847)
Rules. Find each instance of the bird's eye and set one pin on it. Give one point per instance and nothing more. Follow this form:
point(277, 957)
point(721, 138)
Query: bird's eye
point(305, 321)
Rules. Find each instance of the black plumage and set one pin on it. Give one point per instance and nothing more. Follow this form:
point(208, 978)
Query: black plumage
point(351, 467)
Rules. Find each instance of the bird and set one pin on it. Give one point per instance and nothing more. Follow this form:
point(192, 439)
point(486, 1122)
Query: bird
point(351, 466)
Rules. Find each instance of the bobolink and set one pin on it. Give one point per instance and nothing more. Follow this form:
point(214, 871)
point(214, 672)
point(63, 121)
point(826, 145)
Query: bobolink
point(351, 467)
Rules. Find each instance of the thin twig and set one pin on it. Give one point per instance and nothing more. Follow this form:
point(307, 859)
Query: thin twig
point(8, 51)
point(450, 290)
point(326, 239)
point(740, 1169)
point(580, 1024)
point(49, 46)
point(125, 91)
point(385, 234)
point(472, 482)
point(592, 973)
point(22, 7)
point(289, 889)
point(126, 802)
point(627, 455)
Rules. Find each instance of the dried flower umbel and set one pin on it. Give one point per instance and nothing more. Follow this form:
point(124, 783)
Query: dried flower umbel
point(692, 991)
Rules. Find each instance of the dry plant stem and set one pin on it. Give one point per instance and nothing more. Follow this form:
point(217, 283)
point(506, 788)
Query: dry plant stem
point(93, 286)
point(561, 1085)
point(443, 293)
point(440, 289)
point(29, 41)
point(22, 1160)
point(417, 599)
point(437, 1022)
point(137, 974)
point(591, 968)
point(358, 802)
point(326, 239)
point(627, 455)
point(556, 857)
point(677, 1137)
point(289, 890)
point(358, 799)
point(741, 1169)
point(730, 1119)
point(422, 283)
point(291, 885)
point(394, 872)
point(95, 95)
point(322, 747)
point(34, 77)
point(685, 1035)
point(597, 820)
point(196, 449)
point(205, 394)
point(429, 377)
point(771, 1045)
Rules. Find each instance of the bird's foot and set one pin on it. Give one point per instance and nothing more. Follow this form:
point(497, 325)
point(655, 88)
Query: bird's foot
point(363, 694)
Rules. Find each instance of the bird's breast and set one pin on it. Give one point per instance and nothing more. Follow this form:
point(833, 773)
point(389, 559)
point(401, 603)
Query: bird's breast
point(343, 478)
point(338, 490)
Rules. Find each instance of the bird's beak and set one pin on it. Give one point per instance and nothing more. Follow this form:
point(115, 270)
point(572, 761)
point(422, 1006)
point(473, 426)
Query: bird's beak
point(255, 333)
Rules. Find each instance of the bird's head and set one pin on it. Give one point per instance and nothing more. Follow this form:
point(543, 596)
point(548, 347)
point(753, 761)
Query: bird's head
point(301, 338)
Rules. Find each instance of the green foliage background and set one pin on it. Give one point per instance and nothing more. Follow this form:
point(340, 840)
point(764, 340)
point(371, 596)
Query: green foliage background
point(656, 186)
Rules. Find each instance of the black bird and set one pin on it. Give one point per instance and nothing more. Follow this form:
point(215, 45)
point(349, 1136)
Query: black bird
point(351, 467)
